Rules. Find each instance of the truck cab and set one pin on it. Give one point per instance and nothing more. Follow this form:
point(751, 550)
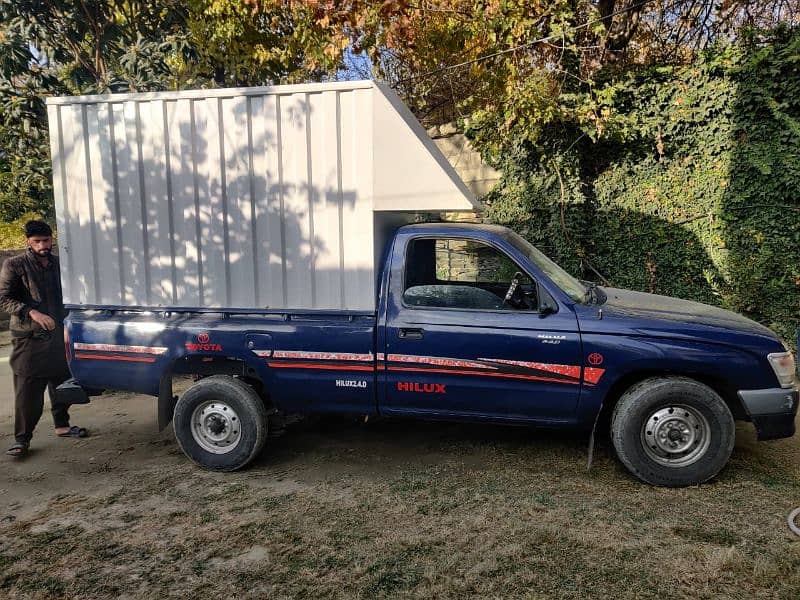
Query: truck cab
point(467, 312)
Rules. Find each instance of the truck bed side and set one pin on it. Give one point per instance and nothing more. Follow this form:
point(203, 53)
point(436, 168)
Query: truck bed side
point(308, 362)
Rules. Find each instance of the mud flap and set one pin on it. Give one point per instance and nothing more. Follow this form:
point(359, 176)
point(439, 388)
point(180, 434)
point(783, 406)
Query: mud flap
point(166, 401)
point(590, 452)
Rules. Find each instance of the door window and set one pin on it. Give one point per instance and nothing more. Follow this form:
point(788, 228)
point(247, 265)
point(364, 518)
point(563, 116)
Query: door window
point(465, 274)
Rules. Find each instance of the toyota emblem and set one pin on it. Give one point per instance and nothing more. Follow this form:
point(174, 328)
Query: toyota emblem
point(595, 359)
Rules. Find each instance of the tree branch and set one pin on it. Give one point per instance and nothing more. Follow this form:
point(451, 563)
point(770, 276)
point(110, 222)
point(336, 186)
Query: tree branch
point(77, 53)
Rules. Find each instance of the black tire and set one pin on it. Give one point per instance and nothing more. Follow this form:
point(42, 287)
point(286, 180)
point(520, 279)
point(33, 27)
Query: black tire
point(230, 426)
point(699, 447)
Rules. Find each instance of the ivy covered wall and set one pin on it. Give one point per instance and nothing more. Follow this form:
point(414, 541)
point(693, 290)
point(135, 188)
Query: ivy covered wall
point(697, 197)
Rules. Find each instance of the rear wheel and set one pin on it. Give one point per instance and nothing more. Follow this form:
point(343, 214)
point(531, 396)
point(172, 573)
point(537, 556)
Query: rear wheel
point(220, 423)
point(672, 431)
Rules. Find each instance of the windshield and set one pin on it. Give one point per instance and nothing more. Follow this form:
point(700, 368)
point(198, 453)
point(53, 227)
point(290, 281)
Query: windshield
point(571, 286)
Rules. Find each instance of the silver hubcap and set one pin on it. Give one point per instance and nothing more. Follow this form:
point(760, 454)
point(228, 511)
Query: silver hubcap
point(676, 436)
point(216, 427)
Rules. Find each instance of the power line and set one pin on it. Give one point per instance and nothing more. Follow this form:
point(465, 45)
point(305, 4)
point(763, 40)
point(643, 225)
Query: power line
point(525, 45)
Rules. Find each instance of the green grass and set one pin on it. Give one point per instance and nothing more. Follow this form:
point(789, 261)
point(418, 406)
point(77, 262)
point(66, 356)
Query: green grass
point(398, 570)
point(48, 585)
point(719, 536)
point(474, 513)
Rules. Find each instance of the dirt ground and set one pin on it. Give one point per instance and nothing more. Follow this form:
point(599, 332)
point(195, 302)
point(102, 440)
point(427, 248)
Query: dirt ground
point(389, 509)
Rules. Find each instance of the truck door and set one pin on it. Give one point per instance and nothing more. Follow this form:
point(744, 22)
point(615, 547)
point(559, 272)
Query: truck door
point(457, 346)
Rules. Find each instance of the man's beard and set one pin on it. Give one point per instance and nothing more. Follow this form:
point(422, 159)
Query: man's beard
point(43, 252)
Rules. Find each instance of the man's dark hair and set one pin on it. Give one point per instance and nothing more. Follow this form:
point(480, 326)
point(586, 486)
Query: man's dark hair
point(39, 228)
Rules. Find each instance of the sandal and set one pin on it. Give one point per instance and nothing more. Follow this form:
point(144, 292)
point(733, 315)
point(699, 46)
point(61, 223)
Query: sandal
point(74, 431)
point(18, 450)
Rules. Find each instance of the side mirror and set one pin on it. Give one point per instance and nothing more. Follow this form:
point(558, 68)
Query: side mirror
point(546, 309)
point(547, 306)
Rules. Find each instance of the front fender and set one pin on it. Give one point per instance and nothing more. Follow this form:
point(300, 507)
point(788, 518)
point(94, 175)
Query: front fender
point(625, 356)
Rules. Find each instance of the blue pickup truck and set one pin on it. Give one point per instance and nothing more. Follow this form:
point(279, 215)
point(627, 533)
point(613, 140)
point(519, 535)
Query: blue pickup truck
point(471, 323)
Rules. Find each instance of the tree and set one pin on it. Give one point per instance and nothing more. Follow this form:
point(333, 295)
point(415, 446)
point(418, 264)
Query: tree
point(519, 67)
point(24, 148)
point(539, 72)
point(261, 42)
point(61, 47)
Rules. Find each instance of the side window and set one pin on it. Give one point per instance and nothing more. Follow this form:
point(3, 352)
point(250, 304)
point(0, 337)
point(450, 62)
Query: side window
point(466, 274)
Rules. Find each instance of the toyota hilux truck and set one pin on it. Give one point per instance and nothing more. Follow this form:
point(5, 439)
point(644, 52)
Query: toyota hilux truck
point(272, 243)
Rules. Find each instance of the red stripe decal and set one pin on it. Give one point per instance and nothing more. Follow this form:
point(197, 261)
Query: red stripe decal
point(439, 361)
point(145, 359)
point(306, 355)
point(121, 348)
point(486, 374)
point(300, 365)
point(566, 370)
point(592, 375)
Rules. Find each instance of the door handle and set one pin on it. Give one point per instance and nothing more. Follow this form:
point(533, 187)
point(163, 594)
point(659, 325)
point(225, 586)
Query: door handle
point(405, 333)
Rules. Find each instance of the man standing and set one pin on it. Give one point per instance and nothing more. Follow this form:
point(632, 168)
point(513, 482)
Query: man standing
point(30, 290)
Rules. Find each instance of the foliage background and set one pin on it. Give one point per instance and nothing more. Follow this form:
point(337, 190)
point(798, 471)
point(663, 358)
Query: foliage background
point(696, 197)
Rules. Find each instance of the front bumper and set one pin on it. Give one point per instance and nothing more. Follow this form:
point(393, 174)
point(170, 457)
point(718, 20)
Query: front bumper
point(772, 411)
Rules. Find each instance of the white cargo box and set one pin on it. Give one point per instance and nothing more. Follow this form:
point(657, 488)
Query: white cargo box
point(254, 198)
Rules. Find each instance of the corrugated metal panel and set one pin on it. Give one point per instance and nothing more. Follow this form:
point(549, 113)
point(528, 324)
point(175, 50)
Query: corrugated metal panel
point(249, 198)
point(357, 234)
point(180, 196)
point(269, 238)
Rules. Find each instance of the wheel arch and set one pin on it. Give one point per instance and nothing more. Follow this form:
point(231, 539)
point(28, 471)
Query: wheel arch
point(726, 391)
point(205, 365)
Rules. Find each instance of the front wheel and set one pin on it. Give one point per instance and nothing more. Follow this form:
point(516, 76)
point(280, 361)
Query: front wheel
point(220, 423)
point(672, 431)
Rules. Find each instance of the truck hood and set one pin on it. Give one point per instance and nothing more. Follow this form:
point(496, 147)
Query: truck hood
point(674, 315)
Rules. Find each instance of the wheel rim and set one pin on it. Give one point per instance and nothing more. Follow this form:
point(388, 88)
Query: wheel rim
point(216, 427)
point(676, 435)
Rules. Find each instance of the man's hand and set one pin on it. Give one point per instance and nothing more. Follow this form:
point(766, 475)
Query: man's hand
point(44, 321)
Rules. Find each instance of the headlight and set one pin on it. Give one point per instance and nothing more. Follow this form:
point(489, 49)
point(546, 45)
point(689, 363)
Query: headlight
point(783, 365)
